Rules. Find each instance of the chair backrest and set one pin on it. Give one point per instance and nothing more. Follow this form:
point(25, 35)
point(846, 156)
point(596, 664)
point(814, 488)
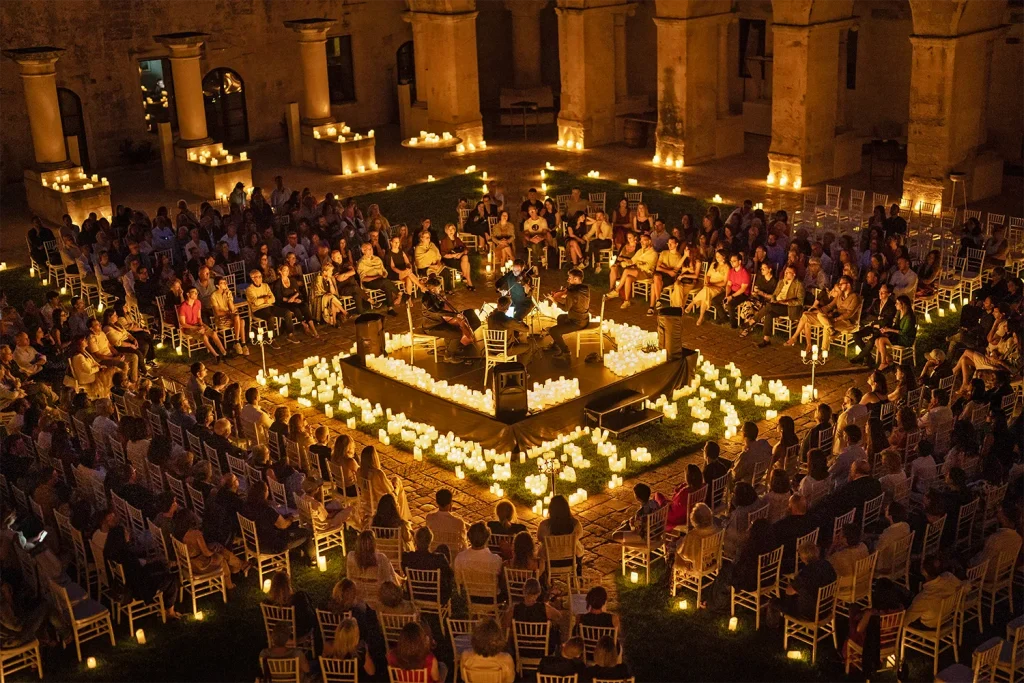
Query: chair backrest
point(965, 521)
point(283, 669)
point(389, 542)
point(250, 539)
point(719, 491)
point(655, 524)
point(156, 477)
point(984, 660)
point(769, 567)
point(396, 675)
point(278, 494)
point(531, 641)
point(872, 511)
point(424, 587)
point(825, 608)
point(391, 625)
point(759, 513)
point(890, 632)
point(592, 634)
point(177, 487)
point(481, 588)
point(901, 551)
point(544, 678)
point(932, 537)
point(515, 579)
point(711, 553)
point(806, 538)
point(136, 520)
point(177, 435)
point(339, 670)
point(863, 576)
point(843, 520)
point(274, 615)
point(947, 612)
point(195, 496)
point(496, 342)
point(559, 548)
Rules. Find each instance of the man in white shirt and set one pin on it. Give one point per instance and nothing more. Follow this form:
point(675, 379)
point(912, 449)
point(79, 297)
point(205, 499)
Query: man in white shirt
point(925, 610)
point(756, 452)
point(853, 414)
point(28, 359)
point(903, 280)
point(251, 412)
point(922, 468)
point(848, 551)
point(293, 246)
point(1003, 541)
point(280, 195)
point(262, 304)
point(445, 525)
point(939, 418)
point(477, 558)
point(839, 471)
point(373, 275)
point(897, 530)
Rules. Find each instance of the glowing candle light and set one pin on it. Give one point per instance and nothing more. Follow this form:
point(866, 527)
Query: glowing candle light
point(140, 636)
point(91, 662)
point(795, 654)
point(266, 585)
point(733, 623)
point(634, 577)
point(199, 616)
point(321, 563)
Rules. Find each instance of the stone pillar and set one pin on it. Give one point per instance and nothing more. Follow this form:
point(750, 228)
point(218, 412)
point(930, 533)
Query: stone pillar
point(445, 43)
point(525, 41)
point(593, 71)
point(804, 147)
point(694, 121)
point(944, 134)
point(316, 101)
point(39, 78)
point(185, 49)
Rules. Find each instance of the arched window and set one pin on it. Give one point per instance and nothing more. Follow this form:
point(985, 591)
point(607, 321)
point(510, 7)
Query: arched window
point(224, 95)
point(405, 57)
point(74, 125)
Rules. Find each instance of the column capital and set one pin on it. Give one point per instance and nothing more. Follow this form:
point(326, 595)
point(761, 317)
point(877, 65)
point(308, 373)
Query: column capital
point(709, 19)
point(183, 45)
point(311, 30)
point(572, 7)
point(525, 8)
point(412, 16)
point(36, 61)
point(808, 29)
point(945, 41)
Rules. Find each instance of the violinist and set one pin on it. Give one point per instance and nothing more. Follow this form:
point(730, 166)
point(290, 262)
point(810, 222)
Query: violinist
point(440, 319)
point(519, 342)
point(575, 298)
point(516, 285)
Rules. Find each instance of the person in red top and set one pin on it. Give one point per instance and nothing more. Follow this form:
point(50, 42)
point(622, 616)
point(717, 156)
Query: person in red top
point(190, 322)
point(737, 288)
point(413, 652)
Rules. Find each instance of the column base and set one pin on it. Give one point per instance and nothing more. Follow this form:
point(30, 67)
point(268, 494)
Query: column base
point(85, 195)
point(471, 132)
point(206, 179)
point(785, 171)
point(983, 177)
point(343, 158)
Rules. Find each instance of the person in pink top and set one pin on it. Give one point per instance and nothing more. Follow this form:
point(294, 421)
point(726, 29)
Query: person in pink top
point(737, 288)
point(190, 322)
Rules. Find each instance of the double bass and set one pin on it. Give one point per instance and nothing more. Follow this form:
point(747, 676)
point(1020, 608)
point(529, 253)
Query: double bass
point(458, 319)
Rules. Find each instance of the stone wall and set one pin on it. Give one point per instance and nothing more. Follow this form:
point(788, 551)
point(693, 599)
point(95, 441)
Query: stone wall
point(105, 40)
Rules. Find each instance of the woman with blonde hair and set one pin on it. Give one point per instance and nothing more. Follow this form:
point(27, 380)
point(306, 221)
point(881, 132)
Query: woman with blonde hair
point(299, 432)
point(346, 644)
point(487, 659)
point(714, 284)
point(325, 299)
point(374, 484)
point(343, 457)
point(364, 563)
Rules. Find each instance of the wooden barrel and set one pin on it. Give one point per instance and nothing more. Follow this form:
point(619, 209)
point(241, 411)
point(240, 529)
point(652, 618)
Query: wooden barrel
point(634, 133)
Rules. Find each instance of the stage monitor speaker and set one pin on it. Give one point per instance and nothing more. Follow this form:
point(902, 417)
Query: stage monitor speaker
point(369, 335)
point(508, 385)
point(670, 330)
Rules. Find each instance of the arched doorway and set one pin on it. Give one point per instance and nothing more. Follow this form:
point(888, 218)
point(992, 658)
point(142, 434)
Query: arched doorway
point(406, 60)
point(224, 95)
point(73, 122)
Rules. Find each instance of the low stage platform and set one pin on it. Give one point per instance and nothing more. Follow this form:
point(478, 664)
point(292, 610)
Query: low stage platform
point(596, 382)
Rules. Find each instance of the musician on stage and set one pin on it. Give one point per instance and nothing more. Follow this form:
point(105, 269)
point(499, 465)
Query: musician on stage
point(575, 298)
point(515, 285)
point(520, 344)
point(440, 319)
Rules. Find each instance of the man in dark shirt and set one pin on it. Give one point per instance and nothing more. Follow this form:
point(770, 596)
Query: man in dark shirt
point(861, 488)
point(576, 301)
point(220, 518)
point(801, 597)
point(531, 200)
point(792, 527)
point(517, 287)
point(569, 662)
point(714, 468)
point(423, 558)
point(895, 224)
point(813, 437)
point(520, 344)
point(881, 314)
point(279, 427)
point(146, 292)
point(215, 391)
point(439, 319)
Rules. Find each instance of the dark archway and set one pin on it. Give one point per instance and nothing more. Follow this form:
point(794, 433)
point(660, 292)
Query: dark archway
point(73, 122)
point(227, 120)
point(405, 58)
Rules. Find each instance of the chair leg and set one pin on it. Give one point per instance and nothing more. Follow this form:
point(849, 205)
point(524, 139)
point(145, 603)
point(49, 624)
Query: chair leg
point(78, 644)
point(110, 630)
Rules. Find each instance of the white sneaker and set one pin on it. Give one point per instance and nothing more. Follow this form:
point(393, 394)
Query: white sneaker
point(626, 304)
point(614, 294)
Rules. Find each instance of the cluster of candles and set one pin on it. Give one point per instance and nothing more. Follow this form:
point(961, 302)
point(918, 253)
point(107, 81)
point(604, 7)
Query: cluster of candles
point(631, 181)
point(60, 183)
point(576, 497)
point(593, 174)
point(701, 428)
point(808, 393)
point(782, 180)
point(392, 186)
point(398, 369)
point(537, 484)
point(640, 454)
point(331, 131)
point(361, 168)
point(569, 144)
point(668, 161)
point(463, 147)
point(615, 482)
point(630, 362)
point(552, 392)
point(206, 157)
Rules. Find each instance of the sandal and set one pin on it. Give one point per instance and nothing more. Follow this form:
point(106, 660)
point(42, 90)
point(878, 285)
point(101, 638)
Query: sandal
point(744, 333)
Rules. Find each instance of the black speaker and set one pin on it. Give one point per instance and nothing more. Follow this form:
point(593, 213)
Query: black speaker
point(670, 330)
point(508, 385)
point(370, 335)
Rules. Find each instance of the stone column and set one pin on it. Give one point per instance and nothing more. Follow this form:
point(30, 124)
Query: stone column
point(39, 78)
point(525, 41)
point(316, 102)
point(593, 79)
point(948, 81)
point(693, 97)
point(804, 148)
point(185, 49)
point(621, 82)
point(445, 44)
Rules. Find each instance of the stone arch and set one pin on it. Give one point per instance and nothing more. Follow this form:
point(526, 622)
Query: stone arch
point(227, 118)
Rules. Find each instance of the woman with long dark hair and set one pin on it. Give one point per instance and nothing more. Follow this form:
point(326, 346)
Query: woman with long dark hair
point(560, 522)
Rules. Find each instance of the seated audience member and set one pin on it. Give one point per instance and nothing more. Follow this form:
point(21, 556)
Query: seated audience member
point(394, 600)
point(634, 529)
point(487, 657)
point(277, 534)
point(793, 526)
point(854, 451)
point(777, 496)
point(817, 482)
point(756, 452)
point(606, 662)
point(1003, 541)
point(801, 596)
point(714, 467)
point(506, 523)
point(423, 558)
point(939, 584)
point(759, 541)
point(143, 580)
point(688, 552)
point(823, 424)
point(568, 662)
point(444, 524)
point(365, 562)
point(282, 647)
point(477, 558)
point(597, 598)
point(282, 594)
point(893, 475)
point(854, 413)
point(847, 549)
point(744, 501)
point(887, 597)
point(898, 530)
point(681, 501)
point(533, 610)
point(560, 522)
point(387, 517)
point(413, 652)
point(346, 644)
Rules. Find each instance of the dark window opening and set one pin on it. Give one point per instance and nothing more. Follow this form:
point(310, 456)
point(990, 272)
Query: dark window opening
point(752, 46)
point(341, 79)
point(227, 120)
point(406, 60)
point(851, 60)
point(157, 93)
